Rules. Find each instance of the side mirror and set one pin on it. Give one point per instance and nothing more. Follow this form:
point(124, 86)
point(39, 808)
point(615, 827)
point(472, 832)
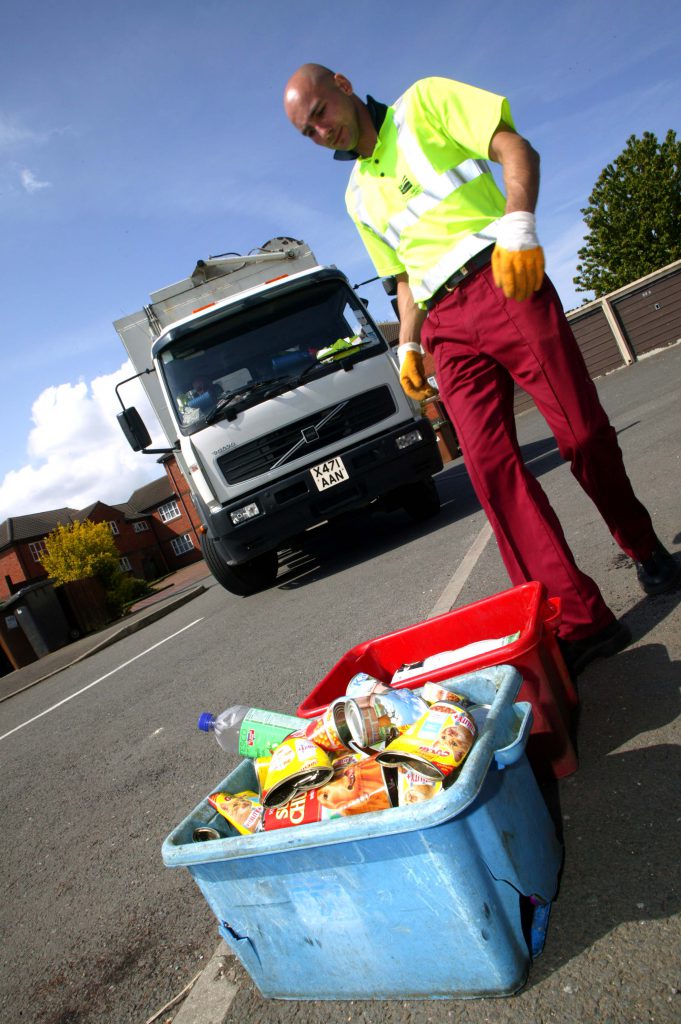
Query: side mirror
point(132, 425)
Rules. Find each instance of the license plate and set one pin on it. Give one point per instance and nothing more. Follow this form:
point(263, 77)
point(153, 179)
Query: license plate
point(328, 474)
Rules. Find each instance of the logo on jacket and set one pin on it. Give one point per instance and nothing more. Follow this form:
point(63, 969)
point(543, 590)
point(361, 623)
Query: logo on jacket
point(406, 186)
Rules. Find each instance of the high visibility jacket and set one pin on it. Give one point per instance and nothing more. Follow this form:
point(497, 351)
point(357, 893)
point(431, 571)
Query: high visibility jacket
point(425, 201)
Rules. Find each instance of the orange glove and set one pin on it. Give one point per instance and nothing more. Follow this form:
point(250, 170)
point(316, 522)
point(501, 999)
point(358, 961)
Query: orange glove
point(518, 258)
point(412, 375)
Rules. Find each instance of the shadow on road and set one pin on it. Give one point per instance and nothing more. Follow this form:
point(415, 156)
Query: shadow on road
point(316, 555)
point(620, 810)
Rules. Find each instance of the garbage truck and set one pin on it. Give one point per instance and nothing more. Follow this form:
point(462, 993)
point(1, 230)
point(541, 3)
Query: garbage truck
point(280, 399)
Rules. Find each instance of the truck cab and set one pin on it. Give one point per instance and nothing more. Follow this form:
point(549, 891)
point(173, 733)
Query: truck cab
point(283, 403)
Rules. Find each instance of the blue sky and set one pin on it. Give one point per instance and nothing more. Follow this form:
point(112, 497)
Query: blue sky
point(136, 138)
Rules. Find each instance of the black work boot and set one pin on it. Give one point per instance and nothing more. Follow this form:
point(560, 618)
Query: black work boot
point(659, 572)
point(603, 644)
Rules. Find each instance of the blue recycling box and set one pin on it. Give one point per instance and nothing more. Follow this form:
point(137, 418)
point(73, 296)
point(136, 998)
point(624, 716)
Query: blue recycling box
point(432, 900)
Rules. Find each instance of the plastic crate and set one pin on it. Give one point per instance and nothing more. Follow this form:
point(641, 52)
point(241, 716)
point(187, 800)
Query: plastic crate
point(425, 901)
point(546, 683)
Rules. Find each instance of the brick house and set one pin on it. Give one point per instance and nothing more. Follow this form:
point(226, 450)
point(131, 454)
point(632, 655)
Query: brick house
point(155, 531)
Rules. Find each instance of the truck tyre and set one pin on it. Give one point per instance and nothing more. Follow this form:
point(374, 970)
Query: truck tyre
point(245, 579)
point(420, 501)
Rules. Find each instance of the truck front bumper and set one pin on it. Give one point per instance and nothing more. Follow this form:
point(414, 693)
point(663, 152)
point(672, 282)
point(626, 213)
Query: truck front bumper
point(293, 503)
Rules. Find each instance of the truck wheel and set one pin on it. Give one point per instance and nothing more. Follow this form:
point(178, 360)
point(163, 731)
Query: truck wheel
point(420, 501)
point(245, 579)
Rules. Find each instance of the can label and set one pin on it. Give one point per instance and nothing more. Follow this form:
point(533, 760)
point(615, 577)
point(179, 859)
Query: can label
point(437, 744)
point(414, 787)
point(379, 717)
point(359, 785)
point(433, 693)
point(297, 764)
point(242, 810)
point(362, 684)
point(262, 731)
point(330, 730)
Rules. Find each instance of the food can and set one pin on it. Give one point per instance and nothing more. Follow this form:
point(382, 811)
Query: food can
point(205, 834)
point(414, 787)
point(359, 785)
point(261, 765)
point(297, 764)
point(379, 717)
point(362, 685)
point(330, 731)
point(242, 810)
point(437, 744)
point(432, 693)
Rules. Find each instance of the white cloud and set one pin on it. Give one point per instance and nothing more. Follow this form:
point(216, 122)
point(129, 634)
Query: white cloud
point(12, 133)
point(31, 183)
point(76, 451)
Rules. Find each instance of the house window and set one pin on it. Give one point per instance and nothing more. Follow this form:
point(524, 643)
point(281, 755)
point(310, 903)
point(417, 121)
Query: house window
point(113, 526)
point(37, 548)
point(124, 563)
point(171, 510)
point(181, 545)
point(140, 526)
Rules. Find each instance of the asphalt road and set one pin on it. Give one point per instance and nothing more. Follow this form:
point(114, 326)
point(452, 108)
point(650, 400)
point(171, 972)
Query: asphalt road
point(96, 929)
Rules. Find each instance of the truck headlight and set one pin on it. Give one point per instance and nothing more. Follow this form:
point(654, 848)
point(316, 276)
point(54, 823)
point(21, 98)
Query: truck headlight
point(407, 440)
point(240, 515)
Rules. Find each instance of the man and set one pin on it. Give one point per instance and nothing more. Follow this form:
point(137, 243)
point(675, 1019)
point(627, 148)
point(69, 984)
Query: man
point(471, 289)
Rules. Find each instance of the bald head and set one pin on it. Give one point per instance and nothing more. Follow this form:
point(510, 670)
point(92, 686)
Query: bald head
point(321, 104)
point(308, 74)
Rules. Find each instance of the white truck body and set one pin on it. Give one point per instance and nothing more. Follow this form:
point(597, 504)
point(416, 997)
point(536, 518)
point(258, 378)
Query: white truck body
point(273, 433)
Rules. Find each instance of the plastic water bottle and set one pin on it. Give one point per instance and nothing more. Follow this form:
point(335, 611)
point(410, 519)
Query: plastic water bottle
point(250, 732)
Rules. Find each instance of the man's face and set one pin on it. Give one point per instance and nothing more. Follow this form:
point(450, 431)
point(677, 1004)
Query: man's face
point(324, 112)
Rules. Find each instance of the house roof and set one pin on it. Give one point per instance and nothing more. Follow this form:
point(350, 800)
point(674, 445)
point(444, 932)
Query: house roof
point(19, 528)
point(390, 329)
point(38, 524)
point(147, 497)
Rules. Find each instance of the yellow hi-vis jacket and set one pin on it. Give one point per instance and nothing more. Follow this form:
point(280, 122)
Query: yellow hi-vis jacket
point(425, 201)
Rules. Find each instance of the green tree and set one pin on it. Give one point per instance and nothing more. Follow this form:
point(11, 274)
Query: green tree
point(633, 216)
point(85, 549)
point(79, 550)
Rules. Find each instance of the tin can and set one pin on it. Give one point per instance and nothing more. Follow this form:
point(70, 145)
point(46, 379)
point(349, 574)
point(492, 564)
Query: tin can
point(437, 744)
point(432, 693)
point(359, 785)
point(330, 731)
point(297, 764)
point(242, 810)
point(379, 717)
point(414, 787)
point(362, 685)
point(205, 834)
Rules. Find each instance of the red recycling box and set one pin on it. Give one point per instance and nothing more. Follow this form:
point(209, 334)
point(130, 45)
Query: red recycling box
point(546, 682)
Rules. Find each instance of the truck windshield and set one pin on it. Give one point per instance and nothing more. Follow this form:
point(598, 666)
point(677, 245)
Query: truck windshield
point(247, 355)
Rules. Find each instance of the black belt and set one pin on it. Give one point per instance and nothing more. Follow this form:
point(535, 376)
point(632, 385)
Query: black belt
point(475, 263)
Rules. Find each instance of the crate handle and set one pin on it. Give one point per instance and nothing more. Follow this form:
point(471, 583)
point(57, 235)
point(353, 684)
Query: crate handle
point(510, 754)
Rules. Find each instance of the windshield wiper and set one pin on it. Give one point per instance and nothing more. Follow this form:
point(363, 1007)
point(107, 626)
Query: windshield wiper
point(245, 391)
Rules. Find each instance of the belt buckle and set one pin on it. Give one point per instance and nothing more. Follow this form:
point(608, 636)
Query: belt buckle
point(457, 278)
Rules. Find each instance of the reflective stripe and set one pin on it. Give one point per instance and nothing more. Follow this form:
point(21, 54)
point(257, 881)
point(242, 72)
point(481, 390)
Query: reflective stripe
point(435, 186)
point(361, 213)
point(439, 186)
point(455, 258)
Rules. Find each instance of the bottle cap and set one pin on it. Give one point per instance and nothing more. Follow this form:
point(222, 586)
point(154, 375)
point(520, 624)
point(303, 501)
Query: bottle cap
point(206, 721)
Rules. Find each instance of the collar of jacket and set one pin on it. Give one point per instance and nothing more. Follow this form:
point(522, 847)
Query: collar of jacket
point(377, 112)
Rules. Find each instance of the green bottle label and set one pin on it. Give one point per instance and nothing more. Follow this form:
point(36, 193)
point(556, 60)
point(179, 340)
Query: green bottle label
point(262, 731)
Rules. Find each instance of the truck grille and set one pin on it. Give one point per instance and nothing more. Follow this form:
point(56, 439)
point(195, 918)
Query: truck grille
point(288, 443)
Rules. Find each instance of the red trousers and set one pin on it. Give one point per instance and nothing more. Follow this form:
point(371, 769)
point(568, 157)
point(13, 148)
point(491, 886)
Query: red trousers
point(481, 343)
